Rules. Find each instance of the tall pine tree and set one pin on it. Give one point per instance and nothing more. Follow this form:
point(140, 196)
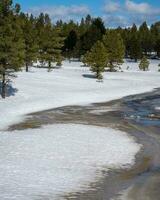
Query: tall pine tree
point(70, 43)
point(97, 59)
point(114, 45)
point(30, 40)
point(51, 43)
point(11, 42)
point(155, 33)
point(135, 49)
point(145, 38)
point(94, 33)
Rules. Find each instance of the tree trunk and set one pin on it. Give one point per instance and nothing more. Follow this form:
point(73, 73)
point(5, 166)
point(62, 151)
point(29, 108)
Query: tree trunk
point(99, 75)
point(3, 94)
point(49, 66)
point(111, 66)
point(27, 67)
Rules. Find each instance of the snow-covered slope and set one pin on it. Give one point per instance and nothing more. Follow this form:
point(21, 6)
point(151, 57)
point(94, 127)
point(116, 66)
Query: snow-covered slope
point(73, 84)
point(49, 162)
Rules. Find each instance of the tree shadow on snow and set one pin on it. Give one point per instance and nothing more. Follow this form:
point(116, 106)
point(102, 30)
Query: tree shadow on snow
point(10, 91)
point(131, 60)
point(89, 76)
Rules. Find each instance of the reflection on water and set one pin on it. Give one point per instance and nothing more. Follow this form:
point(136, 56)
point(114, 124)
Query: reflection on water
point(143, 109)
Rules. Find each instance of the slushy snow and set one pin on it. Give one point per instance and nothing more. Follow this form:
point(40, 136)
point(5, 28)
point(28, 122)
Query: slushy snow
point(49, 162)
point(72, 85)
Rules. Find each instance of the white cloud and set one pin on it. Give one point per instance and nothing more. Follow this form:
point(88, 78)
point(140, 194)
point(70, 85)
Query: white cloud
point(111, 7)
point(114, 12)
point(141, 8)
point(115, 20)
point(62, 12)
point(130, 12)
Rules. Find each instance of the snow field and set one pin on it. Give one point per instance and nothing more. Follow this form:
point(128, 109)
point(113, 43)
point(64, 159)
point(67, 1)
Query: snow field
point(39, 90)
point(49, 162)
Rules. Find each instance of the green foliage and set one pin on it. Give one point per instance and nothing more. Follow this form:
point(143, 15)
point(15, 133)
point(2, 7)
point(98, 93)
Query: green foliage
point(30, 39)
point(25, 39)
point(115, 49)
point(135, 50)
point(155, 35)
point(144, 64)
point(95, 30)
point(50, 42)
point(145, 38)
point(97, 59)
point(157, 46)
point(70, 43)
point(99, 24)
point(137, 42)
point(134, 44)
point(59, 60)
point(11, 42)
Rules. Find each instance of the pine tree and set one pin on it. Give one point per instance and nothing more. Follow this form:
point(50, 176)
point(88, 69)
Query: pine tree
point(40, 26)
point(155, 33)
point(144, 64)
point(11, 42)
point(30, 40)
point(59, 23)
point(90, 38)
point(134, 43)
point(70, 43)
point(94, 32)
point(51, 43)
point(115, 48)
point(82, 27)
point(88, 20)
point(125, 36)
point(135, 50)
point(97, 22)
point(97, 59)
point(157, 46)
point(145, 38)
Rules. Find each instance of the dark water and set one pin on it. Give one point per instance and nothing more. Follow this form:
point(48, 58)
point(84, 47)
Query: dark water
point(134, 114)
point(143, 108)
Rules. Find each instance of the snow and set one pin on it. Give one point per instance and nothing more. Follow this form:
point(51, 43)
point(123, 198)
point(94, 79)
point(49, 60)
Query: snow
point(43, 163)
point(72, 85)
point(130, 65)
point(54, 160)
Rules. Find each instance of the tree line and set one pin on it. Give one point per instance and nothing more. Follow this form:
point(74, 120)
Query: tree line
point(25, 39)
point(138, 41)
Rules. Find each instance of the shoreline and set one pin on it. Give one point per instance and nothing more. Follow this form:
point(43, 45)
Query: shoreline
point(22, 117)
point(104, 189)
point(69, 88)
point(147, 163)
point(114, 183)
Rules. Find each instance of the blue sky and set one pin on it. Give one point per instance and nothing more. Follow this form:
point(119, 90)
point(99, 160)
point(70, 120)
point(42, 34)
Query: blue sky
point(114, 13)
